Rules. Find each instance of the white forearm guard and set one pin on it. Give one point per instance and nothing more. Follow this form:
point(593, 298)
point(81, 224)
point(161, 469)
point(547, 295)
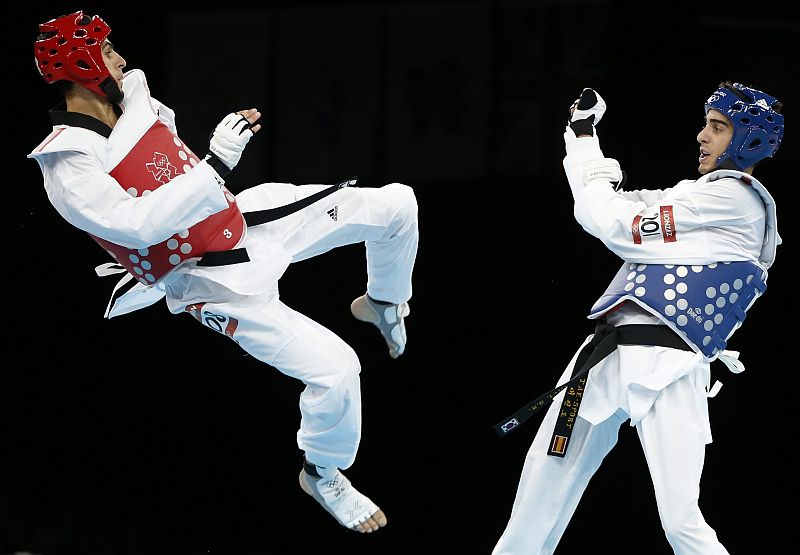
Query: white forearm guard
point(601, 168)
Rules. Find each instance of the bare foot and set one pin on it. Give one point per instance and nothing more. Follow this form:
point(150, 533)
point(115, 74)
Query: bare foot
point(347, 505)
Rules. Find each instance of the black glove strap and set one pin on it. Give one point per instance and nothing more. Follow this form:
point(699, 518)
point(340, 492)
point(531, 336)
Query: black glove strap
point(218, 165)
point(583, 126)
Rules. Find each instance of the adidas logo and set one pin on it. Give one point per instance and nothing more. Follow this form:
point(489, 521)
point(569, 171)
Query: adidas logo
point(334, 213)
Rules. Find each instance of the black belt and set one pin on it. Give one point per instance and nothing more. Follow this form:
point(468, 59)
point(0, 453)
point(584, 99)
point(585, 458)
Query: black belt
point(258, 217)
point(603, 343)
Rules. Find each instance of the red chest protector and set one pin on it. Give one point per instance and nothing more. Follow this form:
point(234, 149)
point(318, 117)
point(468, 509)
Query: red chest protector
point(154, 161)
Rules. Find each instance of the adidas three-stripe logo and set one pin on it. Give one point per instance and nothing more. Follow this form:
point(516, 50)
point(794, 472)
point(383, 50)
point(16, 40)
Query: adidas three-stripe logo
point(334, 213)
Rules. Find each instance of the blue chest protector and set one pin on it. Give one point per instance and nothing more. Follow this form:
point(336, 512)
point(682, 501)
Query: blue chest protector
point(702, 304)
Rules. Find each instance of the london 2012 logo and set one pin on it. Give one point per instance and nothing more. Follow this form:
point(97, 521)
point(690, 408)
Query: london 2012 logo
point(161, 168)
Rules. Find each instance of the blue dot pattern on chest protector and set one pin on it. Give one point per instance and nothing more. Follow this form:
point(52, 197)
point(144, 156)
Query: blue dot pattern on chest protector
point(703, 304)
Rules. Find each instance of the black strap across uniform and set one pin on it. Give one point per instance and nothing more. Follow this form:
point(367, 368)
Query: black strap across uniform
point(271, 214)
point(258, 217)
point(604, 342)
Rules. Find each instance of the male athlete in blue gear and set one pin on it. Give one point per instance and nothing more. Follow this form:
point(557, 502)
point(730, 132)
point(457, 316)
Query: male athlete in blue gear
point(696, 257)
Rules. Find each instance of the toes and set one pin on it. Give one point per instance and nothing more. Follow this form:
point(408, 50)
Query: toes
point(365, 527)
point(372, 524)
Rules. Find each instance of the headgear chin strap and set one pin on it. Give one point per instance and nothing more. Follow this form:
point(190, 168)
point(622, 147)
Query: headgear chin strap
point(71, 50)
point(757, 127)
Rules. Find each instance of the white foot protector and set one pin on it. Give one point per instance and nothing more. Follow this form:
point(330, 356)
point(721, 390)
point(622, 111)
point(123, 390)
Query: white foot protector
point(388, 318)
point(347, 505)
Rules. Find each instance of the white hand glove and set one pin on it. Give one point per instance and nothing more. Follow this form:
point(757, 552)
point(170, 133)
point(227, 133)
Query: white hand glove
point(229, 139)
point(586, 112)
point(589, 103)
point(602, 168)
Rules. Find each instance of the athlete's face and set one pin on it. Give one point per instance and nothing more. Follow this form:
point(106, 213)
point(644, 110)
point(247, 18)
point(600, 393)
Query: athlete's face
point(114, 62)
point(714, 138)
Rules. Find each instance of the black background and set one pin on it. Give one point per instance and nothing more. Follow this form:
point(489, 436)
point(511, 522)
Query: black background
point(148, 434)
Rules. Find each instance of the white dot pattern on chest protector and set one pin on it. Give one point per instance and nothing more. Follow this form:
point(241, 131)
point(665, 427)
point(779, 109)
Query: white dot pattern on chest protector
point(701, 311)
point(142, 266)
point(151, 164)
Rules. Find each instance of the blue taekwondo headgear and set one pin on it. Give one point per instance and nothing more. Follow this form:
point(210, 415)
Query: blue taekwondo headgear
point(757, 126)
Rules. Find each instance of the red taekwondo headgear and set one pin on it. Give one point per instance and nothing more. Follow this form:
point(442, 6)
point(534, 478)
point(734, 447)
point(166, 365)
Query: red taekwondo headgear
point(69, 48)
